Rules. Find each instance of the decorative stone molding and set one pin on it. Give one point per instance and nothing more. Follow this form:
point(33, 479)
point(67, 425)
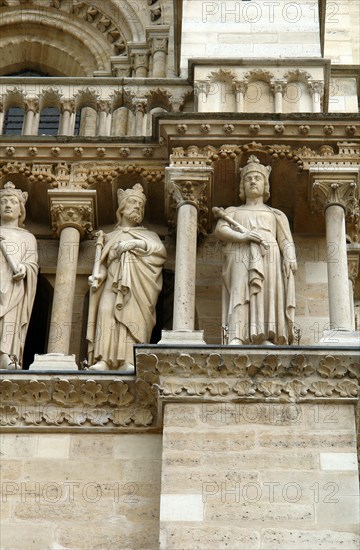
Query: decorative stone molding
point(72, 208)
point(76, 402)
point(110, 402)
point(221, 374)
point(353, 266)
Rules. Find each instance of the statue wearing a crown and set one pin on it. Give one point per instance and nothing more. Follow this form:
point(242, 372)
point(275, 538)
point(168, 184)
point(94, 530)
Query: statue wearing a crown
point(126, 282)
point(258, 272)
point(18, 275)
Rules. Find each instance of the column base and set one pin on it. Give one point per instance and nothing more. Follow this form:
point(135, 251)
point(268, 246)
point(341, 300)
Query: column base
point(174, 337)
point(54, 361)
point(340, 337)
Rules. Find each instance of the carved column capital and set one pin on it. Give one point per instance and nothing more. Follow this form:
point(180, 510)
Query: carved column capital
point(31, 103)
point(278, 87)
point(202, 87)
point(139, 104)
point(72, 208)
point(159, 44)
point(67, 105)
point(185, 191)
point(190, 184)
point(316, 86)
point(334, 188)
point(103, 106)
point(240, 86)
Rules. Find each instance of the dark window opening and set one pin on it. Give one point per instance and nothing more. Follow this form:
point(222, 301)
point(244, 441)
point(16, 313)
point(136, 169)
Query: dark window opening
point(49, 122)
point(13, 121)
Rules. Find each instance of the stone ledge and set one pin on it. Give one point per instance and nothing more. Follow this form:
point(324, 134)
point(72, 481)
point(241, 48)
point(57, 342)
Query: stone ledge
point(80, 401)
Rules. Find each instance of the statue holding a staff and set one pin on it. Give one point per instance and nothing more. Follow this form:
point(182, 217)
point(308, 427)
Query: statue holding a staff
point(18, 275)
point(125, 285)
point(258, 272)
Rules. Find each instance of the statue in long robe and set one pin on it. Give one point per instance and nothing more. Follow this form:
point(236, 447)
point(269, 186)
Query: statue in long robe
point(260, 262)
point(125, 287)
point(18, 275)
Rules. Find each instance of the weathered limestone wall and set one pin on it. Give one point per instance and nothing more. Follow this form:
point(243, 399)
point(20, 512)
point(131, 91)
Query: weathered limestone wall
point(342, 32)
point(233, 29)
point(262, 475)
point(80, 491)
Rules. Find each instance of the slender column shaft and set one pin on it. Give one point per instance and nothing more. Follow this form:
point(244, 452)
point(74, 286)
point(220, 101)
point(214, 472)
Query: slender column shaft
point(337, 267)
point(159, 64)
point(278, 101)
point(102, 123)
point(185, 273)
point(29, 123)
point(65, 123)
point(61, 315)
point(141, 71)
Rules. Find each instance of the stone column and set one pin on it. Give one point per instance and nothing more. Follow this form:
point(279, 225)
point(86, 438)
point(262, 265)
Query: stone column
point(188, 190)
point(31, 109)
point(67, 109)
point(140, 105)
point(72, 214)
point(278, 89)
point(353, 270)
point(316, 88)
point(103, 109)
point(201, 92)
point(240, 91)
point(1, 115)
point(140, 60)
point(336, 193)
point(158, 39)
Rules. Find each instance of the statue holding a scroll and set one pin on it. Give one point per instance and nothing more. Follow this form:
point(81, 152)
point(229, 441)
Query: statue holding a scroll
point(18, 275)
point(125, 285)
point(258, 272)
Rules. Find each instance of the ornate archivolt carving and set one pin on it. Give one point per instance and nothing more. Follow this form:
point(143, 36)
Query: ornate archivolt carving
point(94, 16)
point(259, 74)
point(221, 75)
point(77, 402)
point(297, 74)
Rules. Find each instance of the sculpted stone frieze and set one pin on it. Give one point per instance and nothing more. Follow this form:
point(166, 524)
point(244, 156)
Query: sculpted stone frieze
point(76, 402)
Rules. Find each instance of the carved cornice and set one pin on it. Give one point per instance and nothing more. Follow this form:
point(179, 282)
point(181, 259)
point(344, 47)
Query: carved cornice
point(110, 402)
point(76, 402)
point(72, 208)
point(250, 375)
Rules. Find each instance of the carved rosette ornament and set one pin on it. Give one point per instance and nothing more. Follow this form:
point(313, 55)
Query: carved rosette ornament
point(72, 209)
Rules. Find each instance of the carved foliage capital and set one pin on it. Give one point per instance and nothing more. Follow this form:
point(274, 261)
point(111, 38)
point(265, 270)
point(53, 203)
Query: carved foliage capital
point(187, 191)
point(72, 209)
point(334, 190)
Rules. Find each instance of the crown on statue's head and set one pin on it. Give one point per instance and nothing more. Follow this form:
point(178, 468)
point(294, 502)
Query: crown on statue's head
point(9, 189)
point(254, 165)
point(136, 191)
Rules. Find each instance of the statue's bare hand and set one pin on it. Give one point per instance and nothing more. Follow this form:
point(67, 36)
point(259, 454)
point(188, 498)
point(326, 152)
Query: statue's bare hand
point(20, 273)
point(250, 236)
point(290, 266)
point(125, 246)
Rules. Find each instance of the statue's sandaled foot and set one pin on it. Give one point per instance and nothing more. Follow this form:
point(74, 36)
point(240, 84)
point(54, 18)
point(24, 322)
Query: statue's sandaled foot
point(99, 366)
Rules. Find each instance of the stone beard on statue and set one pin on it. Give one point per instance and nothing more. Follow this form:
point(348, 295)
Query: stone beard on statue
point(258, 273)
point(126, 282)
point(18, 276)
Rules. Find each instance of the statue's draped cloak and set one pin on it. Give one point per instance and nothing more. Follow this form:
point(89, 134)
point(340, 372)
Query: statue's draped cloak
point(16, 297)
point(258, 298)
point(122, 310)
